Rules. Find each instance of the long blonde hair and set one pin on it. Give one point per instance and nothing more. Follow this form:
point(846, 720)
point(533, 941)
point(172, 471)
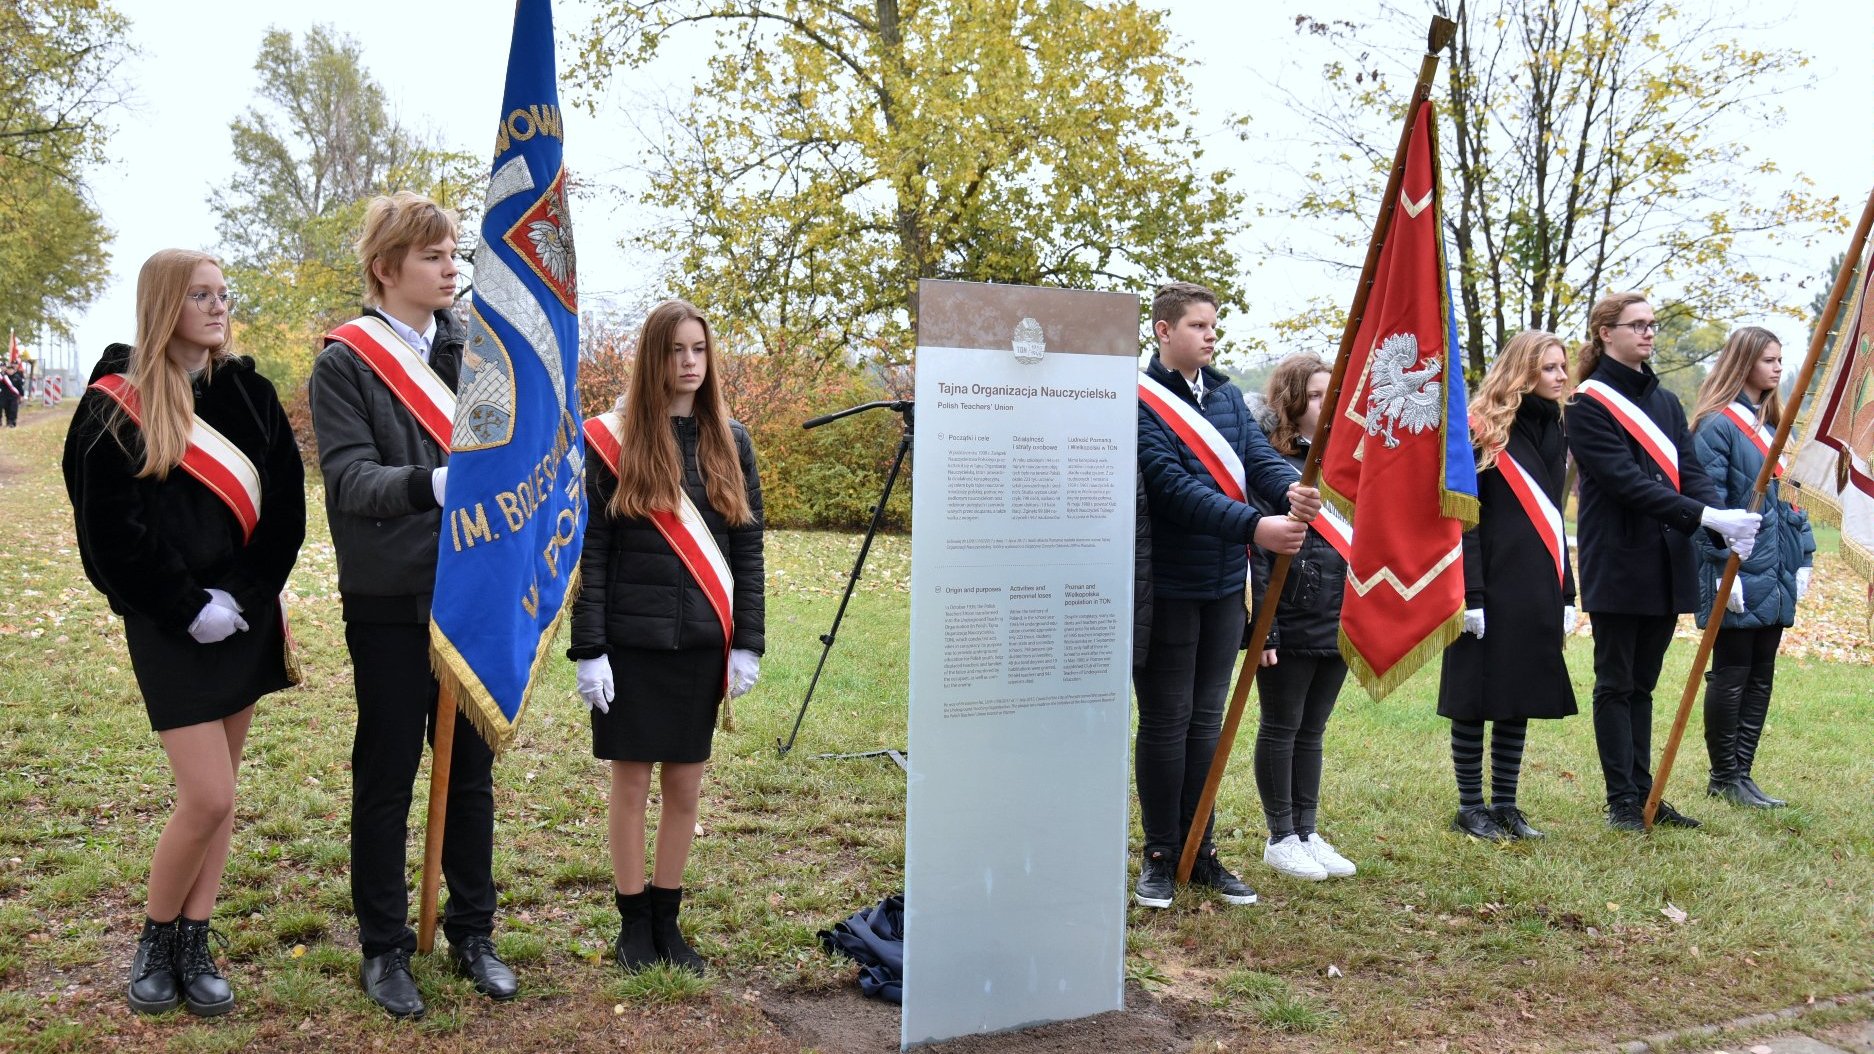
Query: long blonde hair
point(1605, 312)
point(650, 467)
point(1726, 380)
point(1287, 397)
point(168, 404)
point(1510, 380)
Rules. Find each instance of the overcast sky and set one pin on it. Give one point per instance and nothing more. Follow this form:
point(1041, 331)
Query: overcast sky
point(441, 65)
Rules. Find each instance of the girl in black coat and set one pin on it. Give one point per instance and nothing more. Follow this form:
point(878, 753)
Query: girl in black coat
point(649, 641)
point(196, 582)
point(1519, 590)
point(1301, 671)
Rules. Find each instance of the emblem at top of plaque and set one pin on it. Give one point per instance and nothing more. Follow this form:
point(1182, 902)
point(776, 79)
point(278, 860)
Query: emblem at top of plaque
point(1030, 342)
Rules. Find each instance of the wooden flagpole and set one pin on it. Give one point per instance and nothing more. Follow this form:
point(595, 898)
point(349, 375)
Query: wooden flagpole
point(1442, 29)
point(1715, 619)
point(442, 753)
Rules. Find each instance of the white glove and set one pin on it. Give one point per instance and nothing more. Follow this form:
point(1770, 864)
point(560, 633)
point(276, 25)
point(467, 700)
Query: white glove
point(1802, 582)
point(1569, 618)
point(744, 669)
point(595, 683)
point(1739, 528)
point(218, 620)
point(439, 482)
point(1474, 622)
point(1736, 600)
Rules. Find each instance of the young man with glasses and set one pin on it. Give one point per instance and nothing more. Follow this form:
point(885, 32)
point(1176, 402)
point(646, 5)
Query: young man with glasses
point(1643, 493)
point(382, 402)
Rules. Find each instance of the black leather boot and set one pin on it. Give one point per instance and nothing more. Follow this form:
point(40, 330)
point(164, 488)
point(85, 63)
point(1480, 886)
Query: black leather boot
point(634, 948)
point(203, 988)
point(666, 904)
point(1724, 696)
point(1751, 717)
point(153, 987)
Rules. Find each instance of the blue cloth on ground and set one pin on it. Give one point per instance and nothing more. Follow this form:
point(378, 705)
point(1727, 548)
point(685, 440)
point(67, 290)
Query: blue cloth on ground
point(874, 938)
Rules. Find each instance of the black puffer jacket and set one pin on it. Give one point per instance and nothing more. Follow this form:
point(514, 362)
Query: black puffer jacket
point(635, 593)
point(1199, 535)
point(154, 548)
point(377, 460)
point(1308, 620)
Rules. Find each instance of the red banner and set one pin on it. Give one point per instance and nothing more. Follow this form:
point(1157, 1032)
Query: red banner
point(1398, 462)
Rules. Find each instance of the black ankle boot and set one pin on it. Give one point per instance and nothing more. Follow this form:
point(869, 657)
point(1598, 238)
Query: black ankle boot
point(203, 988)
point(634, 949)
point(666, 904)
point(153, 986)
point(1751, 717)
point(1724, 697)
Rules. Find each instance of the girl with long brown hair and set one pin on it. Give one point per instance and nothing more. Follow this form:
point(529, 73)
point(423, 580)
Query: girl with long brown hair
point(1736, 414)
point(1301, 671)
point(189, 498)
point(1507, 667)
point(671, 579)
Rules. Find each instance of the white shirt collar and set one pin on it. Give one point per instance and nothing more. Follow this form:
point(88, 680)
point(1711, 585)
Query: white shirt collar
point(419, 341)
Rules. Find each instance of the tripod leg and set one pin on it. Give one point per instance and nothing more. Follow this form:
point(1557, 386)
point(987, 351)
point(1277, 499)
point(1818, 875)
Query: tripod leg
point(852, 582)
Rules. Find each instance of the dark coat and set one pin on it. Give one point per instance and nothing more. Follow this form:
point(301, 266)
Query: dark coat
point(377, 460)
point(155, 547)
point(1784, 542)
point(1635, 530)
point(633, 590)
point(1307, 621)
point(1517, 670)
point(1200, 538)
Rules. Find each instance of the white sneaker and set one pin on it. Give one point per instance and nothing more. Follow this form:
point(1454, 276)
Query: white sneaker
point(1291, 857)
point(1331, 862)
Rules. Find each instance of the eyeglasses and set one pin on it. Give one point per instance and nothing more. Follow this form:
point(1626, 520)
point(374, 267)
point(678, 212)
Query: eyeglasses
point(206, 300)
point(1640, 328)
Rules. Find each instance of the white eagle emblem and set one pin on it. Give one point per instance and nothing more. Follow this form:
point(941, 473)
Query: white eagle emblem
point(553, 240)
point(1401, 396)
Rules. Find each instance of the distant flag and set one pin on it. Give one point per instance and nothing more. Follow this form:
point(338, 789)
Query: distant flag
point(515, 515)
point(1835, 464)
point(1399, 461)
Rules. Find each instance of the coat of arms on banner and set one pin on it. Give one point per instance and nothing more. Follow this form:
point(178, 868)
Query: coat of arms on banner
point(1400, 396)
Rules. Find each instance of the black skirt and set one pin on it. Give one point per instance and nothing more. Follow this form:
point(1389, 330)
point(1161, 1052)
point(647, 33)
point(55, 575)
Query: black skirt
point(185, 683)
point(665, 706)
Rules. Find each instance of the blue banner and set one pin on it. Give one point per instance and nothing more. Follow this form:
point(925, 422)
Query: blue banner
point(515, 513)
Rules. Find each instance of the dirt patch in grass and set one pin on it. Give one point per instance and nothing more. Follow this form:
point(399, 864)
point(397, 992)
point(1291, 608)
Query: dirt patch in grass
point(845, 1022)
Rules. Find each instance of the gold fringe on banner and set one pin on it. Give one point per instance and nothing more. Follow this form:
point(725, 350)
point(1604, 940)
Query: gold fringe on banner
point(472, 697)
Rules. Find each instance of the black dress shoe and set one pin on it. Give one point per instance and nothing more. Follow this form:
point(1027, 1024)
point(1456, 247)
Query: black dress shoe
point(1625, 814)
point(1510, 818)
point(153, 988)
point(476, 960)
point(1763, 800)
point(203, 988)
point(1476, 821)
point(1672, 817)
point(386, 979)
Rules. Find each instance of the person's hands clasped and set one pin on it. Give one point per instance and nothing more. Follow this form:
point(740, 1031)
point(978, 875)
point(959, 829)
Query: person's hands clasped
point(744, 671)
point(218, 620)
point(1304, 503)
point(595, 683)
point(1280, 534)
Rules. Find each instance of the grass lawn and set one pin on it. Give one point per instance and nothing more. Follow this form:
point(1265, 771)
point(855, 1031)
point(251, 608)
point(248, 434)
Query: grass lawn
point(1439, 943)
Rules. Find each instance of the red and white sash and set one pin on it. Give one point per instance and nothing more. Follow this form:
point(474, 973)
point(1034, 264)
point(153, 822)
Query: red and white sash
point(1209, 446)
point(683, 530)
point(211, 457)
point(1653, 439)
point(404, 372)
point(1333, 527)
point(8, 381)
point(1753, 429)
point(1540, 510)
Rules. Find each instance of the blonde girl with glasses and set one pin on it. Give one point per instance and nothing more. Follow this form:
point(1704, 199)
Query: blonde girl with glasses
point(189, 497)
